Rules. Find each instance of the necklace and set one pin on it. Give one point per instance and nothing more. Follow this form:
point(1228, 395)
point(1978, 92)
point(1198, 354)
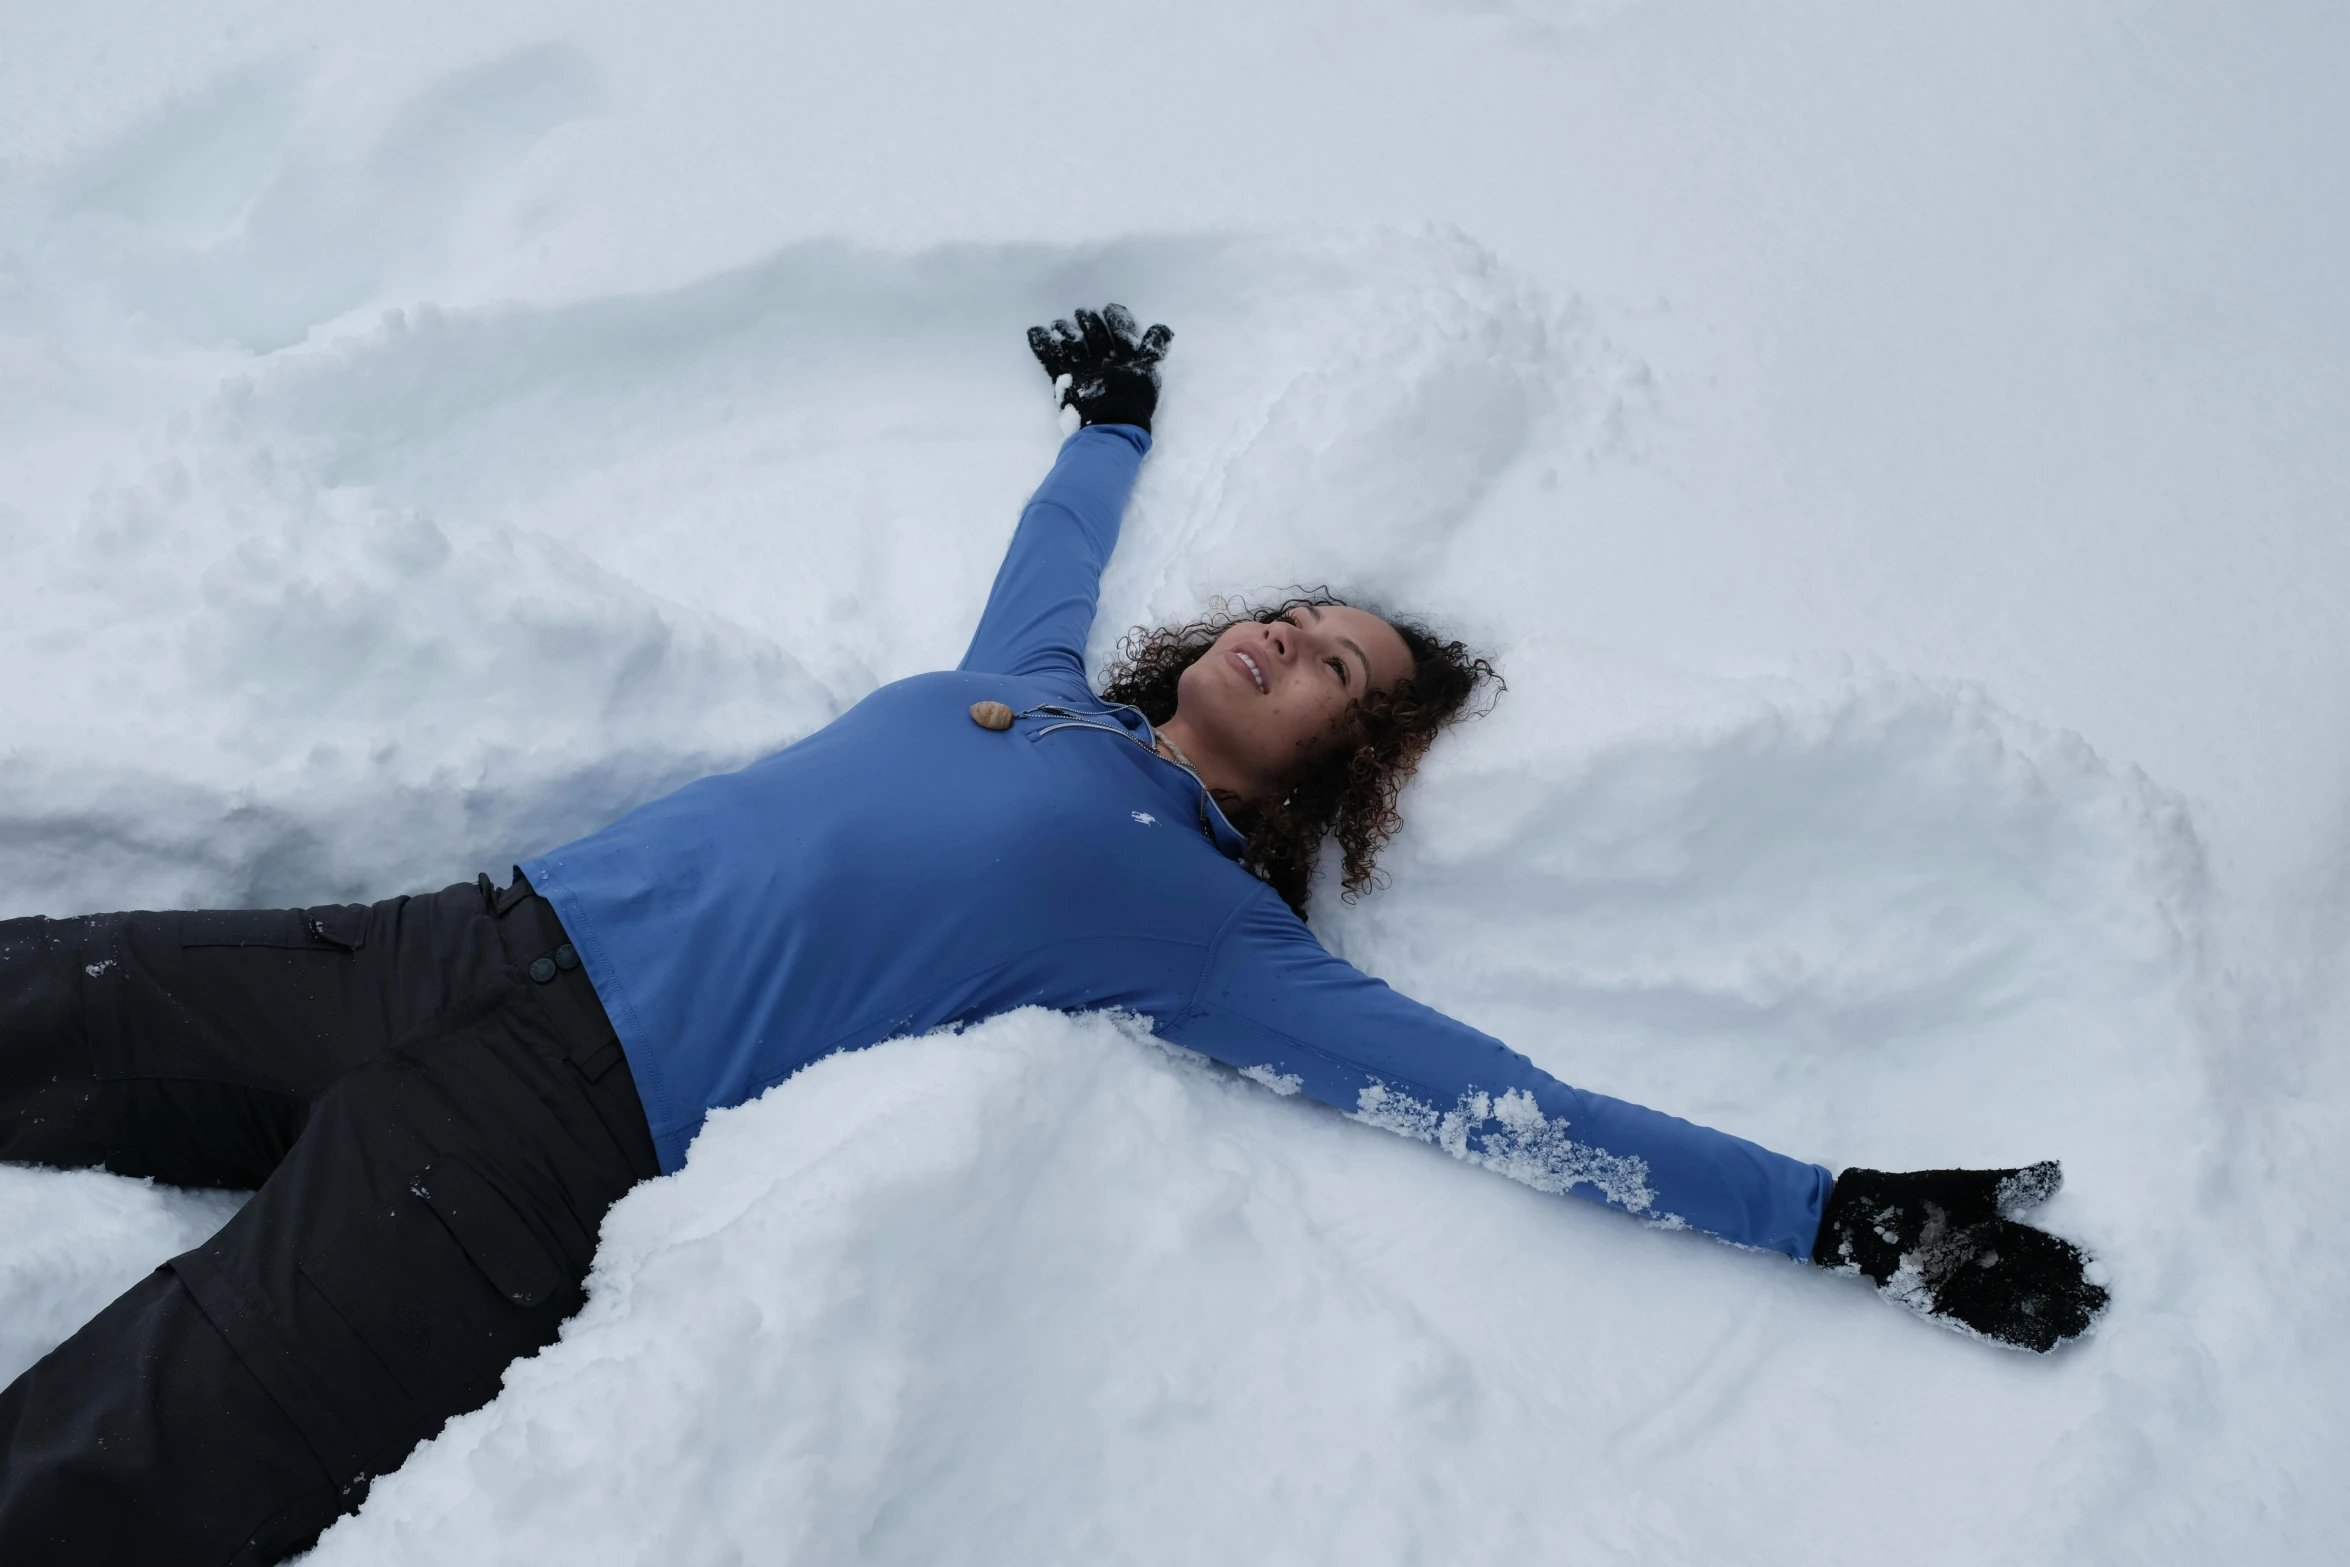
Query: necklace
point(1174, 753)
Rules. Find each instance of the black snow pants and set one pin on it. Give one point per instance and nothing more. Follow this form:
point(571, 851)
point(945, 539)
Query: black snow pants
point(436, 1114)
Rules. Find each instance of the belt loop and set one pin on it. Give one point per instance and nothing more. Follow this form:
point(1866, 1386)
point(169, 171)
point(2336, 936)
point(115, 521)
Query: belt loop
point(489, 893)
point(519, 892)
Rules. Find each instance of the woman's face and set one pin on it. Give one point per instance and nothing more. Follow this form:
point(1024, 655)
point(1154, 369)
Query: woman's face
point(1268, 699)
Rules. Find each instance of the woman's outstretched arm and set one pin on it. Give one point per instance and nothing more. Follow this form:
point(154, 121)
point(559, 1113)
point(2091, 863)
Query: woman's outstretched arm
point(1950, 1245)
point(1042, 605)
point(1041, 608)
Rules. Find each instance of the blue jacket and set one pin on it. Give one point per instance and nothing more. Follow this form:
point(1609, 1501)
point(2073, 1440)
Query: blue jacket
point(904, 868)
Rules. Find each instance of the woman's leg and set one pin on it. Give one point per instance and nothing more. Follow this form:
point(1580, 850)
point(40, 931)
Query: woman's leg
point(189, 1045)
point(433, 1220)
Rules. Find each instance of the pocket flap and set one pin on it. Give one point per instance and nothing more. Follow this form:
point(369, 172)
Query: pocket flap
point(491, 1232)
point(341, 925)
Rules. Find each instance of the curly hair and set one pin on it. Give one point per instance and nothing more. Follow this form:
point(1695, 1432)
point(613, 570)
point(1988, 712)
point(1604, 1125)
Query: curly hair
point(1352, 793)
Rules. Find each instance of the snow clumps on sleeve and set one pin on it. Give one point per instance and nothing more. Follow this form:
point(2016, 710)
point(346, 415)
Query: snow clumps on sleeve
point(1282, 1083)
point(1511, 1136)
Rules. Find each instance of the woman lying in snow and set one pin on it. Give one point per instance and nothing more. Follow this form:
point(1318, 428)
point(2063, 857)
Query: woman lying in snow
point(438, 1097)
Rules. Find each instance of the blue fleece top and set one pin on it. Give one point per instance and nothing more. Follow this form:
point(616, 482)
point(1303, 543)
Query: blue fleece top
point(904, 868)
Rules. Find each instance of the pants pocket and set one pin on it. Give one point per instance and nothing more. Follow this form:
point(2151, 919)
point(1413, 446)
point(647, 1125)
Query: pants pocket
point(331, 927)
point(446, 1284)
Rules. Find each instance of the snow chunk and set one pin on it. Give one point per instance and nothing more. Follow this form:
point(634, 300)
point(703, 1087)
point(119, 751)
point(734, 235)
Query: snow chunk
point(1282, 1083)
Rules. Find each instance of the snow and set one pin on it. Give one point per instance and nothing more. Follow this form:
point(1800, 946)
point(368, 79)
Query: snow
point(1895, 457)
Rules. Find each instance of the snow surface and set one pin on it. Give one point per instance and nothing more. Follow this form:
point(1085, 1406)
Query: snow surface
point(1895, 454)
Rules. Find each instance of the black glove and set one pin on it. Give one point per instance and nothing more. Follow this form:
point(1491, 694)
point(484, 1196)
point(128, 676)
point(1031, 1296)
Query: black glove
point(1946, 1244)
point(1112, 369)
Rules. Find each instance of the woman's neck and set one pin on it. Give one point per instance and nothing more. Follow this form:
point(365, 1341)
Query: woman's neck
point(1181, 744)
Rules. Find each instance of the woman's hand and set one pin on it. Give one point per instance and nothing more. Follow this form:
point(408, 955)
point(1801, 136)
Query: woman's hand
point(1112, 369)
point(1950, 1244)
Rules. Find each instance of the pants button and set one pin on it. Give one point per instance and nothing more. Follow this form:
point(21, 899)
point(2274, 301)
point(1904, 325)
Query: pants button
point(542, 970)
point(566, 958)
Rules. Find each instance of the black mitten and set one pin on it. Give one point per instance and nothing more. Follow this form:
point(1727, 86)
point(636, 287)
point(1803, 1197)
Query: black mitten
point(1947, 1244)
point(1112, 369)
